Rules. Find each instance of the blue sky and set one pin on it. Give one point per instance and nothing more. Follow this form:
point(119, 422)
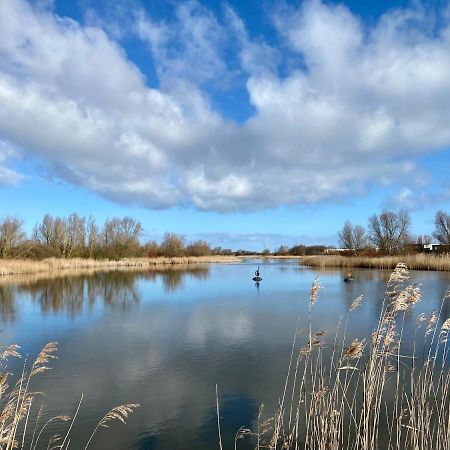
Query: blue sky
point(248, 123)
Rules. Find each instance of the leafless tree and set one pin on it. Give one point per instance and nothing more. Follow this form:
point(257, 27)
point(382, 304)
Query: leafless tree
point(11, 235)
point(76, 235)
point(198, 248)
point(360, 239)
point(173, 245)
point(442, 227)
point(121, 236)
point(282, 250)
point(390, 231)
point(92, 236)
point(43, 232)
point(353, 237)
point(346, 236)
point(424, 239)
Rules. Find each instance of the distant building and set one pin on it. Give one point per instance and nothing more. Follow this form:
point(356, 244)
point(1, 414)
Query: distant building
point(436, 248)
point(335, 250)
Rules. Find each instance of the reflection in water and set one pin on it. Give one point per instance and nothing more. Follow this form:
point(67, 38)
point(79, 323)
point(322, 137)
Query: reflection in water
point(71, 294)
point(7, 310)
point(164, 340)
point(173, 278)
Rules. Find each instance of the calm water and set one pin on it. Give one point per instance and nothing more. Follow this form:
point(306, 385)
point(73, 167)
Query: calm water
point(165, 339)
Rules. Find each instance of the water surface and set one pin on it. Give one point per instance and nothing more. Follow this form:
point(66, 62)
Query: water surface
point(165, 339)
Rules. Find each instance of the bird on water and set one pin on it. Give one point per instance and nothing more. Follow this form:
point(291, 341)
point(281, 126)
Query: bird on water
point(349, 277)
point(257, 275)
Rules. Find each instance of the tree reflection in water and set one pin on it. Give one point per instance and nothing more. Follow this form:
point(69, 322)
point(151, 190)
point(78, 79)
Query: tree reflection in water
point(72, 293)
point(7, 306)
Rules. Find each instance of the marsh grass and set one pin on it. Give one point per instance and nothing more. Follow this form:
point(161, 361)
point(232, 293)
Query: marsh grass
point(19, 427)
point(365, 393)
point(25, 266)
point(420, 261)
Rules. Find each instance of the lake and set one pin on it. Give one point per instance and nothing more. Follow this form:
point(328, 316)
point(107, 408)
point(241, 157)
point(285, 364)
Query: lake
point(164, 339)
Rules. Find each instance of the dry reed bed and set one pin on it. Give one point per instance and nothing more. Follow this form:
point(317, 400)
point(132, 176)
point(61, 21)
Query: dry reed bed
point(414, 262)
point(21, 266)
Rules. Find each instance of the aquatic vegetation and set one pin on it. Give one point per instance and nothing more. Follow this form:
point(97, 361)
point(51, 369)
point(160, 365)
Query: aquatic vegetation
point(419, 261)
point(365, 393)
point(24, 266)
point(19, 428)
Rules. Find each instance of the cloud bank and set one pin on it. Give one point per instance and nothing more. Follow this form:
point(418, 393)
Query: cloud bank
point(338, 105)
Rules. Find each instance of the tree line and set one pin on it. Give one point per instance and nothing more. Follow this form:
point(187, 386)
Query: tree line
point(390, 233)
point(77, 236)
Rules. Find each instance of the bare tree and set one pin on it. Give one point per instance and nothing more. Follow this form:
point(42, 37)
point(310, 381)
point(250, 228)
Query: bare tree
point(423, 239)
point(282, 250)
point(442, 227)
point(152, 249)
point(11, 235)
point(353, 237)
point(76, 235)
point(346, 236)
point(198, 248)
point(173, 245)
point(390, 231)
point(92, 236)
point(360, 239)
point(43, 232)
point(121, 236)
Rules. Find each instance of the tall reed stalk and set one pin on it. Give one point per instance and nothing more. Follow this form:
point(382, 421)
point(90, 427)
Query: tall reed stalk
point(369, 393)
point(419, 261)
point(18, 428)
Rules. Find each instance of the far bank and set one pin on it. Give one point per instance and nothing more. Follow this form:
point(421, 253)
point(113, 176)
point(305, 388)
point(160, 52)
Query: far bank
point(26, 266)
point(414, 262)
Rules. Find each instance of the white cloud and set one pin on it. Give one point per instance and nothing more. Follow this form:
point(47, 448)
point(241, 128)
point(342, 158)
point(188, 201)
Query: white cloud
point(8, 176)
point(190, 47)
point(357, 106)
point(417, 199)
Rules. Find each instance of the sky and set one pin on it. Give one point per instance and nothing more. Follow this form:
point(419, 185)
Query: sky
point(247, 123)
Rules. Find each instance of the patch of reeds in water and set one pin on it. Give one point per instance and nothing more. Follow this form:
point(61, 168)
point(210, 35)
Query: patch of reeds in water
point(372, 392)
point(19, 428)
point(420, 261)
point(24, 266)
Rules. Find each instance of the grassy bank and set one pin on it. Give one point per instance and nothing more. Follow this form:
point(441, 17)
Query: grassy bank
point(21, 266)
point(414, 262)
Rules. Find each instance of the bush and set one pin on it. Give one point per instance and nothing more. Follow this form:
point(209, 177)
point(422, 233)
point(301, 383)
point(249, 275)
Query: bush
point(198, 248)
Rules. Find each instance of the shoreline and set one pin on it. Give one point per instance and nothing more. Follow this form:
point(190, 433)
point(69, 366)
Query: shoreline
point(440, 263)
point(9, 267)
point(270, 256)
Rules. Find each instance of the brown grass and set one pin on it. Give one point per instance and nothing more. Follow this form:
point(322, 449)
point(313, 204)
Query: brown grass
point(27, 279)
point(23, 266)
point(414, 262)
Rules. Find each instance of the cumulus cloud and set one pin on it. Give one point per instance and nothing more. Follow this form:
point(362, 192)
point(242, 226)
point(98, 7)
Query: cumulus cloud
point(191, 47)
point(355, 108)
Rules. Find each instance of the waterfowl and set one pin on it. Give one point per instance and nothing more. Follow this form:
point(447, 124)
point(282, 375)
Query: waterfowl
point(257, 277)
point(349, 277)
